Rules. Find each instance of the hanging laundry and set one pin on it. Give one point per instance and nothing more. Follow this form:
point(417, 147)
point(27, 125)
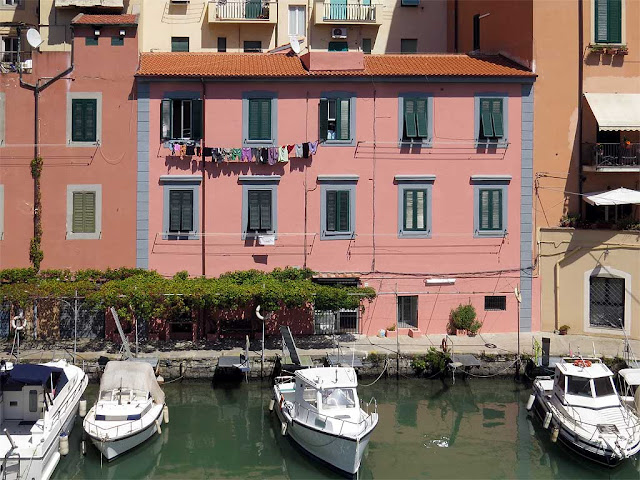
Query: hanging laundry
point(313, 147)
point(246, 154)
point(236, 154)
point(183, 150)
point(198, 152)
point(273, 155)
point(176, 149)
point(207, 152)
point(255, 155)
point(290, 148)
point(190, 150)
point(217, 154)
point(305, 150)
point(282, 155)
point(298, 150)
point(264, 155)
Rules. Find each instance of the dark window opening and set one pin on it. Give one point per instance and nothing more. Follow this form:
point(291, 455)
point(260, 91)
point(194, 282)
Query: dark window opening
point(179, 44)
point(495, 302)
point(252, 46)
point(366, 45)
point(606, 302)
point(181, 119)
point(408, 45)
point(222, 44)
point(338, 47)
point(408, 311)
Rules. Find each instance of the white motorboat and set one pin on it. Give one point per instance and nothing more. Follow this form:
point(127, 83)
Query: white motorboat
point(129, 410)
point(38, 407)
point(319, 409)
point(581, 407)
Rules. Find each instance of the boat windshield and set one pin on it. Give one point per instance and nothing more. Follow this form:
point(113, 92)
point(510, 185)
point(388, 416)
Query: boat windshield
point(579, 386)
point(338, 398)
point(124, 395)
point(603, 386)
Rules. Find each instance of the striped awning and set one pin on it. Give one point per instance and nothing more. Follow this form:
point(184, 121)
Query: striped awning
point(615, 111)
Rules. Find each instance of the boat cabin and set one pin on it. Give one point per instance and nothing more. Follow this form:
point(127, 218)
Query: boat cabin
point(628, 381)
point(585, 383)
point(328, 391)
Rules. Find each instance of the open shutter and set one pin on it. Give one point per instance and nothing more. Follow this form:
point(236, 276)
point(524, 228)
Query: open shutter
point(331, 213)
point(421, 117)
point(165, 115)
point(343, 211)
point(496, 209)
point(186, 211)
point(254, 210)
point(265, 119)
point(601, 20)
point(485, 118)
point(323, 117)
point(265, 209)
point(408, 210)
point(196, 119)
point(89, 118)
point(496, 113)
point(89, 214)
point(343, 108)
point(77, 130)
point(484, 210)
point(78, 213)
point(175, 210)
point(614, 21)
point(254, 119)
point(410, 118)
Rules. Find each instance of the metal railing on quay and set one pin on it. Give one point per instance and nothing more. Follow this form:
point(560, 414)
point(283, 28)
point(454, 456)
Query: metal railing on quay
point(349, 12)
point(238, 10)
point(624, 154)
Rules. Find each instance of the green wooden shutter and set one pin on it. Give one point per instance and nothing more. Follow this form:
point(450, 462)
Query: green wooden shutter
point(415, 210)
point(89, 118)
point(342, 110)
point(490, 209)
point(408, 210)
point(89, 214)
point(496, 209)
point(186, 211)
point(196, 119)
point(265, 119)
point(485, 118)
point(78, 212)
point(421, 117)
point(323, 117)
point(165, 115)
point(614, 21)
point(496, 114)
point(421, 210)
point(254, 119)
point(254, 210)
point(175, 210)
point(484, 209)
point(343, 211)
point(410, 118)
point(601, 18)
point(77, 123)
point(331, 210)
point(265, 210)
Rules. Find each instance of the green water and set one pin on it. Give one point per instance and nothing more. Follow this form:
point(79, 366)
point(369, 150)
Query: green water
point(473, 429)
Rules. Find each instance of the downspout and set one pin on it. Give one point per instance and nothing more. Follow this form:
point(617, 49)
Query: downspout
point(204, 178)
point(556, 272)
point(580, 94)
point(455, 26)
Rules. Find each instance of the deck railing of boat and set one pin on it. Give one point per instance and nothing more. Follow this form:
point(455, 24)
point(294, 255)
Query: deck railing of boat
point(109, 433)
point(363, 424)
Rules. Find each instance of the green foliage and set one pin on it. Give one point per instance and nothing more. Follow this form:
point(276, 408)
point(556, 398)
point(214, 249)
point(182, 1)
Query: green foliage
point(35, 253)
point(434, 360)
point(376, 359)
point(463, 317)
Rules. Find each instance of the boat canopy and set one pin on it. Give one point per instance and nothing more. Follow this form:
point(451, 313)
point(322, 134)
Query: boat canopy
point(328, 377)
point(131, 376)
point(630, 375)
point(35, 374)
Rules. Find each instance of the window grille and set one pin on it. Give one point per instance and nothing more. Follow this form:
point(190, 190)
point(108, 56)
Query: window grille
point(606, 302)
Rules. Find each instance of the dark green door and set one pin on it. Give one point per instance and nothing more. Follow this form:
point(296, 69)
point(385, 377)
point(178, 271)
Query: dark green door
point(253, 8)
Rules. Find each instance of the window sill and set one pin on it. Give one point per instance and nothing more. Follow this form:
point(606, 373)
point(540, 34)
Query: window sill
point(83, 144)
point(182, 141)
point(609, 48)
point(338, 236)
point(180, 236)
point(490, 234)
point(414, 234)
point(428, 143)
point(256, 235)
point(84, 236)
point(485, 143)
point(338, 143)
point(259, 143)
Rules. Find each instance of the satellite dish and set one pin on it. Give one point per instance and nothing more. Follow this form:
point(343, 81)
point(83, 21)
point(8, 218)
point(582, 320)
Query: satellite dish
point(295, 44)
point(34, 38)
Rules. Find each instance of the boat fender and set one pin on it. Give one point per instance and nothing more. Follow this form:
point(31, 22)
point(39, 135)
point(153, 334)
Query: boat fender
point(82, 408)
point(271, 404)
point(160, 379)
point(165, 414)
point(18, 322)
point(83, 447)
point(547, 420)
point(283, 428)
point(532, 398)
point(64, 444)
point(158, 428)
point(554, 434)
point(281, 401)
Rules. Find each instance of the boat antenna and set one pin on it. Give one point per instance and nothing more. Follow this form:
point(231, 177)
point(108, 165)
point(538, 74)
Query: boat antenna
point(120, 396)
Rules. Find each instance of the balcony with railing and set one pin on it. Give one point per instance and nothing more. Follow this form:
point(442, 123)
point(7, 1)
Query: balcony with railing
point(9, 62)
point(243, 11)
point(611, 157)
point(345, 12)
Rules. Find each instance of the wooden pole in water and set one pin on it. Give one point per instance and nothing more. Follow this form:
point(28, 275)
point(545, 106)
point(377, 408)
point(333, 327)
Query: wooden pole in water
point(397, 338)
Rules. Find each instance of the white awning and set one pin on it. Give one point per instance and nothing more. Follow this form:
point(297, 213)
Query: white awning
point(619, 196)
point(615, 111)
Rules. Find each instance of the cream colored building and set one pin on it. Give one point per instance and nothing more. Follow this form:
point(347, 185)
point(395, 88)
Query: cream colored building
point(381, 26)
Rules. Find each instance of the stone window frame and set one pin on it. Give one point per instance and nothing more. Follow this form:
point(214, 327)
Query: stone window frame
point(180, 182)
point(259, 182)
point(338, 182)
point(426, 143)
point(342, 95)
point(254, 94)
point(84, 96)
point(495, 182)
point(607, 272)
point(95, 188)
point(414, 182)
point(504, 141)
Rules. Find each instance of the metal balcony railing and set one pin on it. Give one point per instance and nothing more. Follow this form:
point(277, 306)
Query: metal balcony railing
point(251, 10)
point(601, 155)
point(9, 61)
point(355, 12)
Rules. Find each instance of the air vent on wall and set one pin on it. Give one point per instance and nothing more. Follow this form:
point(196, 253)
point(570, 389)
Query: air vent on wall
point(340, 32)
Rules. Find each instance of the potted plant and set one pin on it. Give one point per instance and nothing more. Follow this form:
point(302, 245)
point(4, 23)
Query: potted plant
point(462, 319)
point(391, 331)
point(563, 329)
point(474, 327)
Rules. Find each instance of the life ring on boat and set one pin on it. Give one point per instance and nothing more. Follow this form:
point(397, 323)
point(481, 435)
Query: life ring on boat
point(281, 401)
point(582, 363)
point(18, 322)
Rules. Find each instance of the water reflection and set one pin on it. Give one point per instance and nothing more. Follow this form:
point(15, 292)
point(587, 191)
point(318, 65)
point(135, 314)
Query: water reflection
point(427, 429)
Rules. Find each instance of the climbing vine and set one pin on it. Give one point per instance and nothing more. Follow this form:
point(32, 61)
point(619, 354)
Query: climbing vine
point(35, 252)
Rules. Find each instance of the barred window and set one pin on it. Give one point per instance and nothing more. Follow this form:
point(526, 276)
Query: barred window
point(495, 302)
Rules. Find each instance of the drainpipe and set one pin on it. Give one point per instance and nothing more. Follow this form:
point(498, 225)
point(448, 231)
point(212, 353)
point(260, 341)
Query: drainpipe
point(455, 26)
point(556, 271)
point(580, 94)
point(204, 178)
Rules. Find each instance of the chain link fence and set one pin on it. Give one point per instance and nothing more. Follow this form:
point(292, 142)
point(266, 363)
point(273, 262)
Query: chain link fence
point(606, 297)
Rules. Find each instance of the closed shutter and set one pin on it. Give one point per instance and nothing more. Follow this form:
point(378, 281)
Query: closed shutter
point(601, 20)
point(496, 209)
point(78, 212)
point(343, 120)
point(265, 210)
point(77, 124)
point(84, 212)
point(260, 119)
point(323, 117)
point(165, 115)
point(90, 120)
point(343, 211)
point(196, 119)
point(187, 211)
point(254, 210)
point(254, 119)
point(331, 213)
point(265, 119)
point(410, 118)
point(175, 210)
point(496, 114)
point(486, 118)
point(490, 209)
point(415, 210)
point(614, 21)
point(421, 117)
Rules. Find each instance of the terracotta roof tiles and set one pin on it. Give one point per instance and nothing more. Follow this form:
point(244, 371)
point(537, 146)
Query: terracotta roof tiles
point(277, 66)
point(124, 19)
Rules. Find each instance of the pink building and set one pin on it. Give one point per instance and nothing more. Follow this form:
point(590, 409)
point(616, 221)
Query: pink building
point(87, 140)
point(407, 173)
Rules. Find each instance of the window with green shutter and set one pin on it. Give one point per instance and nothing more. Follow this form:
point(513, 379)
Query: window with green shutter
point(260, 211)
point(181, 119)
point(491, 119)
point(335, 119)
point(181, 211)
point(490, 209)
point(179, 44)
point(338, 46)
point(91, 41)
point(415, 210)
point(117, 41)
point(260, 119)
point(608, 21)
point(84, 212)
point(337, 211)
point(83, 119)
point(415, 119)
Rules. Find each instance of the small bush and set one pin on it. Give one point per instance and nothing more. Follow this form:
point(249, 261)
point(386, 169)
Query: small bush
point(463, 317)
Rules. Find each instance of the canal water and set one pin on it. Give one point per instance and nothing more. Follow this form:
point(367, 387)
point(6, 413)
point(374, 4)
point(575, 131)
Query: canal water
point(476, 428)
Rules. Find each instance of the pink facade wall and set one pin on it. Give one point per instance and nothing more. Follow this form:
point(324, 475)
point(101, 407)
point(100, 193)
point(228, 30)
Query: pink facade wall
point(103, 68)
point(383, 260)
